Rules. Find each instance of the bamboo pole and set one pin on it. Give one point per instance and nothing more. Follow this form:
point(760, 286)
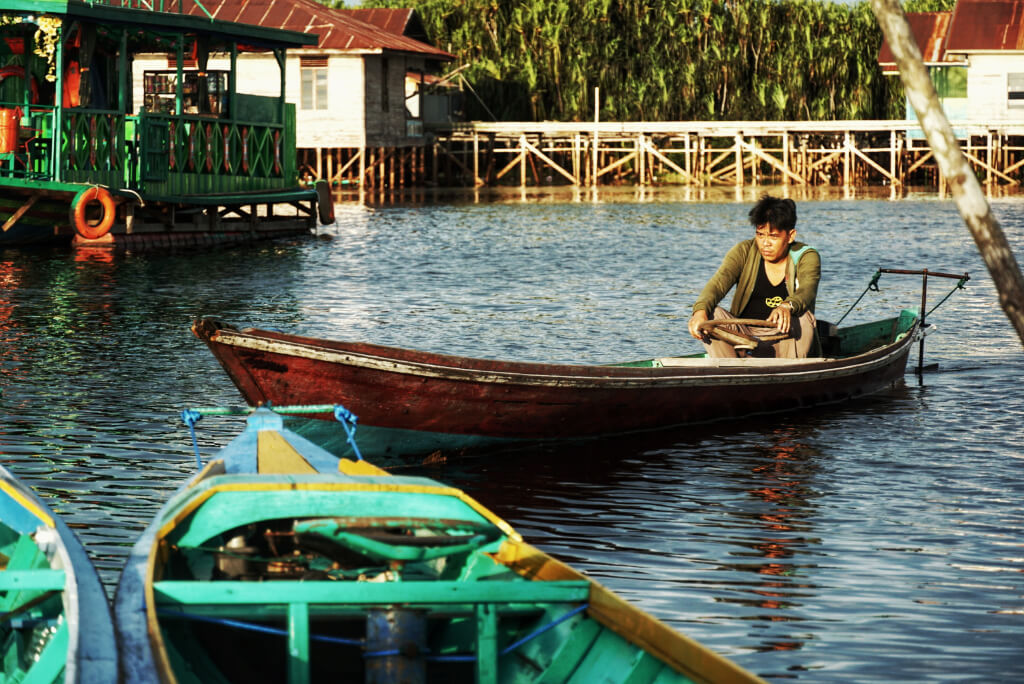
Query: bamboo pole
point(597, 119)
point(967, 193)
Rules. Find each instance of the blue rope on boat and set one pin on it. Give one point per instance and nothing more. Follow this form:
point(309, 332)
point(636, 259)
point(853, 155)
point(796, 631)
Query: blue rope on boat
point(346, 417)
point(536, 633)
point(191, 417)
point(249, 626)
point(505, 651)
point(252, 627)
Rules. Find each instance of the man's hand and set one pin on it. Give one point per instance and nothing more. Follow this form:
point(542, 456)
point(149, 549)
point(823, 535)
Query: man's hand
point(696, 319)
point(781, 316)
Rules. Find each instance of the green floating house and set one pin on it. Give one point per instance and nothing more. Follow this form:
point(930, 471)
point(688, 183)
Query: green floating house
point(195, 162)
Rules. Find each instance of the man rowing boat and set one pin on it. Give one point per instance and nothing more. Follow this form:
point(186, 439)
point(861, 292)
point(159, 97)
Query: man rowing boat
point(776, 280)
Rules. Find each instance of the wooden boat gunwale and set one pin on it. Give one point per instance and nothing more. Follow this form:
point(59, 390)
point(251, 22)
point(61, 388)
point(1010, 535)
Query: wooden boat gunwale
point(692, 371)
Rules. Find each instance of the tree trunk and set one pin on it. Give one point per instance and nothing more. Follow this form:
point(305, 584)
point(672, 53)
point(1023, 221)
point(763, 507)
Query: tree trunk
point(963, 184)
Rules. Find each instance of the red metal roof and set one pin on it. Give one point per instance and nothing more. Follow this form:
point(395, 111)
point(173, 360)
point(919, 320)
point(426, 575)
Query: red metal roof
point(391, 20)
point(986, 25)
point(929, 30)
point(338, 30)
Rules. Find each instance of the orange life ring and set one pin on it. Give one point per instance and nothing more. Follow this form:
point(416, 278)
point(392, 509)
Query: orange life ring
point(88, 229)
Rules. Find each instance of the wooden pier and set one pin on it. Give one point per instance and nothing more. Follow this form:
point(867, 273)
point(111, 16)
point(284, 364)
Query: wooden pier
point(724, 153)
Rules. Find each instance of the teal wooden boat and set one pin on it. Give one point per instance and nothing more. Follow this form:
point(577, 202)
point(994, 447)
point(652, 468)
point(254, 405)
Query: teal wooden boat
point(280, 562)
point(186, 160)
point(55, 623)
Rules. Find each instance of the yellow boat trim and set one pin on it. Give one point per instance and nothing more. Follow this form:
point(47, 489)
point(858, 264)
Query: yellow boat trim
point(27, 503)
point(350, 467)
point(682, 653)
point(275, 456)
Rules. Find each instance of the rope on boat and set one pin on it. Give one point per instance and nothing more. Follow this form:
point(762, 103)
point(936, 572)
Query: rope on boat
point(191, 417)
point(469, 658)
point(873, 285)
point(253, 627)
point(347, 419)
point(959, 286)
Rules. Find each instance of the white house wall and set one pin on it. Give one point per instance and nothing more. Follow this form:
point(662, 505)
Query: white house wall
point(987, 79)
point(341, 124)
point(355, 115)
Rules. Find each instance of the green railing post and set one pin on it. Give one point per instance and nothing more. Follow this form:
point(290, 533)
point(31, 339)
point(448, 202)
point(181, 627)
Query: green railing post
point(486, 644)
point(56, 156)
point(298, 643)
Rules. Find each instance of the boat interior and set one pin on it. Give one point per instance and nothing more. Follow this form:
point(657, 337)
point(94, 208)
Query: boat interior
point(33, 628)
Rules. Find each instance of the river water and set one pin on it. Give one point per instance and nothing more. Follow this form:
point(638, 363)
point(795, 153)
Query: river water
point(879, 541)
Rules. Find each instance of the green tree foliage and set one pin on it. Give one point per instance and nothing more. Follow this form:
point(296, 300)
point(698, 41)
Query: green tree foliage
point(667, 60)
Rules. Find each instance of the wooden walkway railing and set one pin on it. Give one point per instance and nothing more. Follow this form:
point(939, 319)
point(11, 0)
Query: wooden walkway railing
point(736, 153)
point(711, 153)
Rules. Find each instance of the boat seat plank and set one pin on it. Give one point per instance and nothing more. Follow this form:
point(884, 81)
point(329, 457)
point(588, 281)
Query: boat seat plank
point(339, 613)
point(25, 556)
point(186, 593)
point(32, 580)
point(571, 653)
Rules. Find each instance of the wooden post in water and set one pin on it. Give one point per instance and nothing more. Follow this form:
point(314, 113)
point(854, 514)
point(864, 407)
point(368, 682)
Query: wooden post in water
point(597, 119)
point(739, 160)
point(953, 166)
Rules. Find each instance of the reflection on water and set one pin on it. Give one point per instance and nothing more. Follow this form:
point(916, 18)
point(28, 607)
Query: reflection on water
point(784, 523)
point(877, 541)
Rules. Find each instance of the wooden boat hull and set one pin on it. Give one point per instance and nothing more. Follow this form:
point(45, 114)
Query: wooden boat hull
point(413, 403)
point(53, 603)
point(358, 575)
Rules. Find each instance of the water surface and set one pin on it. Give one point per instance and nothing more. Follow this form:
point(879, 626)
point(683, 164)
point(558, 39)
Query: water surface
point(881, 541)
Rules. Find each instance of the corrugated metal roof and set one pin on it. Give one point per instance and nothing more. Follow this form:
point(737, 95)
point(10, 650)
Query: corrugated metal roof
point(338, 30)
point(986, 25)
point(929, 30)
point(391, 20)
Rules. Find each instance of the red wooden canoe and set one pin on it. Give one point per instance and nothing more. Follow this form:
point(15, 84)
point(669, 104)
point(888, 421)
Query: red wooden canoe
point(412, 404)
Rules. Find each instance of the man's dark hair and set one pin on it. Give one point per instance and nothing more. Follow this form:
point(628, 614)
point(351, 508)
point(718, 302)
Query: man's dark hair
point(779, 213)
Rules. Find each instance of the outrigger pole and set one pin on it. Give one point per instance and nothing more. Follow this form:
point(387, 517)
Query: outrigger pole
point(924, 273)
point(964, 186)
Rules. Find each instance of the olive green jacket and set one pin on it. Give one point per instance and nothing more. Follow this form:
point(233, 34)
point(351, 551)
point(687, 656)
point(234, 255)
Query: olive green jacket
point(740, 268)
